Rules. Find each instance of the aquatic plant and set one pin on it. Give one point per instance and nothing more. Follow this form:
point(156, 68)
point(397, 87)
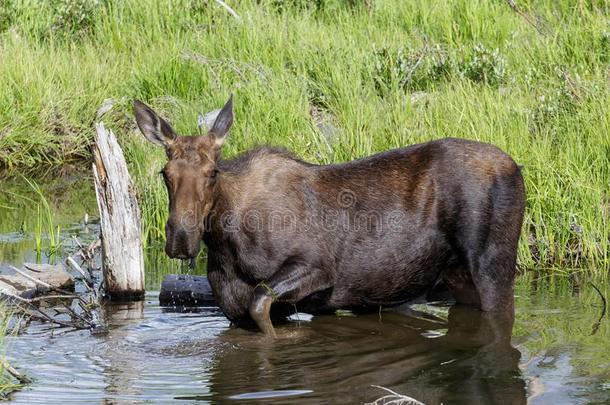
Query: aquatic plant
point(10, 379)
point(46, 233)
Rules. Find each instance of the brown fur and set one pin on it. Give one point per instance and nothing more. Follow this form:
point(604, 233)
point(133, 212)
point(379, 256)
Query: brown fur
point(376, 231)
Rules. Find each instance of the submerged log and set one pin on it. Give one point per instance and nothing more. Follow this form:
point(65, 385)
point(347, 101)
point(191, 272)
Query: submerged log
point(185, 290)
point(122, 255)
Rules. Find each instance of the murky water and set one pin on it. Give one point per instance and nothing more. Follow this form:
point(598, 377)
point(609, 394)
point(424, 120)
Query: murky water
point(556, 352)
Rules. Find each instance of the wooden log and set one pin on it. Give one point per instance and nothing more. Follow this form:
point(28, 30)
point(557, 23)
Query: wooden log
point(122, 255)
point(35, 280)
point(9, 289)
point(186, 290)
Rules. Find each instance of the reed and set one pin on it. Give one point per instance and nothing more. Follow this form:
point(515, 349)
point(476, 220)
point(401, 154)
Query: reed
point(10, 379)
point(46, 233)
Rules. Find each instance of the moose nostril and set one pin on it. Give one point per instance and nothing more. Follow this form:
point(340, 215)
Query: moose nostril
point(178, 243)
point(181, 238)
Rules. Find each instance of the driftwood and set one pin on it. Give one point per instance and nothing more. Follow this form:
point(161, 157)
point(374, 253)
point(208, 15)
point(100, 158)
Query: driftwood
point(84, 316)
point(34, 280)
point(122, 255)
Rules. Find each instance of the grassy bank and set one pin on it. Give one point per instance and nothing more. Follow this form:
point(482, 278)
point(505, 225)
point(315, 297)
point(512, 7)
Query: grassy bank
point(333, 80)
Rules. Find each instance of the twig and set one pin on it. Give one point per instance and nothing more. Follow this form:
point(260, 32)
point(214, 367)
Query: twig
point(595, 327)
point(76, 315)
point(229, 9)
point(72, 263)
point(394, 397)
point(31, 268)
point(75, 239)
point(87, 254)
point(49, 319)
point(516, 9)
point(85, 323)
point(86, 279)
point(15, 297)
point(52, 297)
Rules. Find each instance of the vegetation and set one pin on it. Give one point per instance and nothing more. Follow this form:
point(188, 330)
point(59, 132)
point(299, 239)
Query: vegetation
point(9, 381)
point(37, 219)
point(45, 225)
point(333, 80)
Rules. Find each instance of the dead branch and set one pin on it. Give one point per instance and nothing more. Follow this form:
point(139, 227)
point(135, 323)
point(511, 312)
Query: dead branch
point(524, 15)
point(595, 327)
point(229, 9)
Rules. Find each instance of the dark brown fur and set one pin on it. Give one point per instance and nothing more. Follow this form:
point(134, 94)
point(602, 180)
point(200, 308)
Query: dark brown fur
point(376, 231)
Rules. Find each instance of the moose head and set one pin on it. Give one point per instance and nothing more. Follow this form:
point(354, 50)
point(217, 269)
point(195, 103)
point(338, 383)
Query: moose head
point(190, 175)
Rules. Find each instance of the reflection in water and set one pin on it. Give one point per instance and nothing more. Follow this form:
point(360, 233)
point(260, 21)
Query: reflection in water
point(339, 358)
point(154, 354)
point(121, 368)
point(163, 355)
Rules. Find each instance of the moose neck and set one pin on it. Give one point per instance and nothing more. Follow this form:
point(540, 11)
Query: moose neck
point(237, 181)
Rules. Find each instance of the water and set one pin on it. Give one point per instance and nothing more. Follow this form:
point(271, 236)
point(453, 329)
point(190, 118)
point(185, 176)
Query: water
point(556, 352)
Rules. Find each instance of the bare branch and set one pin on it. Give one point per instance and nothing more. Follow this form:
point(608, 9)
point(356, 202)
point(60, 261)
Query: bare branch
point(229, 9)
point(516, 9)
point(599, 321)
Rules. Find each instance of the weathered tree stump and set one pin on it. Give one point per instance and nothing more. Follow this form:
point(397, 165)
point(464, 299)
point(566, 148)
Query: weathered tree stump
point(122, 255)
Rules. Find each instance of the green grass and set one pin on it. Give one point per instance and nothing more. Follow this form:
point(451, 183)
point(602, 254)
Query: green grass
point(386, 75)
point(8, 383)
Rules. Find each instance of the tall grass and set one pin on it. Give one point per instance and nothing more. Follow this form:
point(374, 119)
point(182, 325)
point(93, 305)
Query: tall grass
point(380, 74)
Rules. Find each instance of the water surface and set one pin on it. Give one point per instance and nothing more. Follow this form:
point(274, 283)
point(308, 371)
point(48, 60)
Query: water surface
point(556, 352)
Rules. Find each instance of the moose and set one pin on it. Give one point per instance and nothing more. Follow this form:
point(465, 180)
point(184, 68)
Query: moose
point(282, 233)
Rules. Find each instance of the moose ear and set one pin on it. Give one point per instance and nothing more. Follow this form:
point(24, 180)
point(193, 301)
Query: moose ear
point(223, 123)
point(154, 128)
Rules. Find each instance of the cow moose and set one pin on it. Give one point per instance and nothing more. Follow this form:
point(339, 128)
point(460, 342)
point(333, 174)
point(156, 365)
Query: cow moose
point(283, 233)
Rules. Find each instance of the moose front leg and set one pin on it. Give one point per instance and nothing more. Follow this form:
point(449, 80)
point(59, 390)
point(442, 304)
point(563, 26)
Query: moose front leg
point(290, 284)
